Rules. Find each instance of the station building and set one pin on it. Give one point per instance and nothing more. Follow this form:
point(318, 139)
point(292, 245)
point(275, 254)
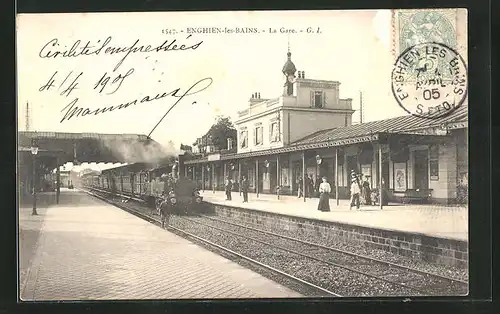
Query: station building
point(308, 131)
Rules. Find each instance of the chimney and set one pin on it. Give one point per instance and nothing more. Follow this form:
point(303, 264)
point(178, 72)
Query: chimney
point(258, 96)
point(229, 143)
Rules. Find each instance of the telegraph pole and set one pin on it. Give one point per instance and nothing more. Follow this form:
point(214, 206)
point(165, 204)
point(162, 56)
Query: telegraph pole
point(360, 107)
point(27, 116)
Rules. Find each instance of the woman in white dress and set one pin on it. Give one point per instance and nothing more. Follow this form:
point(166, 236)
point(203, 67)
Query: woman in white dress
point(324, 198)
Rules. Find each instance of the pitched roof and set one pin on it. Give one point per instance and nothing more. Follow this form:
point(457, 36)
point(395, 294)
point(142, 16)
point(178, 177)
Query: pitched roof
point(95, 147)
point(80, 136)
point(402, 124)
point(358, 133)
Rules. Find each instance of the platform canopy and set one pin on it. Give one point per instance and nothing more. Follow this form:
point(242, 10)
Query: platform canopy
point(93, 147)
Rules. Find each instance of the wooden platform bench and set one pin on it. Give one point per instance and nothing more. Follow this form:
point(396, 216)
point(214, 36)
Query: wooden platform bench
point(419, 195)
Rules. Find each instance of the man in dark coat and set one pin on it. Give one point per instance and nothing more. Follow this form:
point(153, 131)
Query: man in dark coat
point(311, 186)
point(244, 189)
point(301, 188)
point(229, 188)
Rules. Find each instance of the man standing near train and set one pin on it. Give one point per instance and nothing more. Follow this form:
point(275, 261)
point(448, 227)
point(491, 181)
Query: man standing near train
point(244, 189)
point(355, 191)
point(229, 188)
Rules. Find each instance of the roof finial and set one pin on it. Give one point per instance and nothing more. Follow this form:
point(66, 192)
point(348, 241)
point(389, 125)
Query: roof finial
point(288, 42)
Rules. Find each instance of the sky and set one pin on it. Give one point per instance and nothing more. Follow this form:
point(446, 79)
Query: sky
point(353, 47)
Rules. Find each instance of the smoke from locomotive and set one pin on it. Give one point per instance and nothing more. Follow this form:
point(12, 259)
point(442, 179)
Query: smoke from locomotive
point(133, 150)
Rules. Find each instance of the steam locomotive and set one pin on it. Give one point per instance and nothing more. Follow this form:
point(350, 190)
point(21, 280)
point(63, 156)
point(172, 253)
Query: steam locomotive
point(153, 186)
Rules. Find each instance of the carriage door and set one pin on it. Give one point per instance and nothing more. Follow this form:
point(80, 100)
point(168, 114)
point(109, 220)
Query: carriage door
point(132, 183)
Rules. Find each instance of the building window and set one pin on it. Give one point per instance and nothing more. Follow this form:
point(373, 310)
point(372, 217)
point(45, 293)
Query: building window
point(318, 99)
point(434, 162)
point(243, 138)
point(259, 135)
point(275, 132)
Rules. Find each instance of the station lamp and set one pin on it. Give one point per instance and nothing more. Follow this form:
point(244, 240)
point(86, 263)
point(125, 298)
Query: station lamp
point(34, 152)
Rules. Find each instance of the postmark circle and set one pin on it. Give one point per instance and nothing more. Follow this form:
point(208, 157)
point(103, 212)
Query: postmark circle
point(429, 80)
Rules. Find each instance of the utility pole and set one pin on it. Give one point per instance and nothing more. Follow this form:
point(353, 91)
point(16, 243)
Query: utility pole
point(27, 116)
point(360, 107)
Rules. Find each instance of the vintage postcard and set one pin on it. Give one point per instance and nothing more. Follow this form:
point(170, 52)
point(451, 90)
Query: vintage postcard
point(236, 155)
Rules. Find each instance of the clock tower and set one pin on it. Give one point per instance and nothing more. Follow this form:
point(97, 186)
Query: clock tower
point(289, 72)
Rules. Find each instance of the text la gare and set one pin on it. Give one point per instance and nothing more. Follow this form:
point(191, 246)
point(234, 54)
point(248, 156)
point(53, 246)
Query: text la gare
point(285, 30)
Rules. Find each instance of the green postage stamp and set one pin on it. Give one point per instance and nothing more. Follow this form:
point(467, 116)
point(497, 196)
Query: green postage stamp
point(442, 26)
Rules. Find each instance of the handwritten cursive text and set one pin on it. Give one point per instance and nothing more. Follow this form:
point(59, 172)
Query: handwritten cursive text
point(72, 110)
point(52, 49)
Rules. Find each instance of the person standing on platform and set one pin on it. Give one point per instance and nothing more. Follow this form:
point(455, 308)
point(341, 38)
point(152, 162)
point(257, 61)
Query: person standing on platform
point(385, 195)
point(306, 186)
point(301, 188)
point(317, 183)
point(355, 190)
point(311, 186)
point(244, 189)
point(366, 191)
point(229, 188)
point(324, 193)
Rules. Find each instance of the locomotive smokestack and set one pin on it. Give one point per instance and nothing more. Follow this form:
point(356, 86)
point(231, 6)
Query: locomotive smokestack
point(175, 169)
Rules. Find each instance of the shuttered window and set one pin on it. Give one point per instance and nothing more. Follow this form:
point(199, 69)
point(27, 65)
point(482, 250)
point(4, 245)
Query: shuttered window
point(243, 138)
point(259, 135)
point(274, 132)
point(318, 99)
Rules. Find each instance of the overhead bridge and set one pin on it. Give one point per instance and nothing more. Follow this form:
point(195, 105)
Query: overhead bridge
point(55, 149)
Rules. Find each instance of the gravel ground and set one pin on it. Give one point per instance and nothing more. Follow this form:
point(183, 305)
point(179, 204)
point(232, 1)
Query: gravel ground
point(306, 291)
point(427, 284)
point(334, 279)
point(338, 280)
point(303, 289)
point(448, 271)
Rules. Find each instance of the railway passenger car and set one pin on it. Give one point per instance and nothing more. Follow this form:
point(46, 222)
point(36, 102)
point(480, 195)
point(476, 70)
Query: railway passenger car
point(152, 185)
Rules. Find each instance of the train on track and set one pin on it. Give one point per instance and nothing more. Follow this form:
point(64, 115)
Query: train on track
point(153, 186)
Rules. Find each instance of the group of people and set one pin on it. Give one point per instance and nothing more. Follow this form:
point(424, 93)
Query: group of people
point(360, 190)
point(244, 185)
point(362, 194)
point(308, 188)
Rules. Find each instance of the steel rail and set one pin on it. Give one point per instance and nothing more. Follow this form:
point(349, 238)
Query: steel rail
point(344, 252)
point(229, 251)
point(313, 258)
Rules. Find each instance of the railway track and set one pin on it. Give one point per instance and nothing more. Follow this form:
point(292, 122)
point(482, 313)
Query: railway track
point(406, 277)
point(310, 289)
point(384, 277)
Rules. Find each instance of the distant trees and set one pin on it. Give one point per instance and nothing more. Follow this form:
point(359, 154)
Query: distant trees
point(219, 132)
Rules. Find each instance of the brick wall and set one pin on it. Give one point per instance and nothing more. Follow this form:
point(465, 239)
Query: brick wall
point(421, 247)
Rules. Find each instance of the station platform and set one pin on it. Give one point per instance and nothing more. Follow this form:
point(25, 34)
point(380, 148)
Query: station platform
point(447, 222)
point(86, 249)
